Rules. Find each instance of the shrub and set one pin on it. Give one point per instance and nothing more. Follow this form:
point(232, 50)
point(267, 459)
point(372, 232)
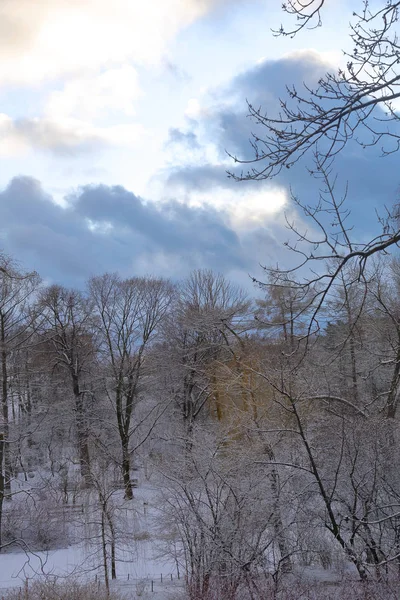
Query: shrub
point(68, 590)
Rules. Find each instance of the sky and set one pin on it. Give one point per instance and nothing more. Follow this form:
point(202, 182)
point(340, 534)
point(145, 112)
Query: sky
point(116, 124)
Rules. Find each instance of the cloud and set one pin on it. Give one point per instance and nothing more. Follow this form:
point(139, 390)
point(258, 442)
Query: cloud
point(217, 223)
point(105, 228)
point(81, 57)
point(92, 97)
point(226, 114)
point(53, 38)
point(62, 136)
point(188, 138)
point(219, 119)
point(220, 122)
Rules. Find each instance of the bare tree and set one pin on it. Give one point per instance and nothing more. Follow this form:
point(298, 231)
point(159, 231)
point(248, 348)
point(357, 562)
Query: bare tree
point(16, 291)
point(354, 104)
point(335, 445)
point(386, 331)
point(208, 313)
point(130, 313)
point(218, 511)
point(69, 343)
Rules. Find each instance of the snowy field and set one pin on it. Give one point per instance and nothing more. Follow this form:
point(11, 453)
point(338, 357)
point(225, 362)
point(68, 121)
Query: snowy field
point(16, 567)
point(140, 569)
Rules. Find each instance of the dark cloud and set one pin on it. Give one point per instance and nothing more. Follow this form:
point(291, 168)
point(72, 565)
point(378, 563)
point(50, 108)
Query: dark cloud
point(177, 136)
point(170, 227)
point(207, 178)
point(226, 118)
point(373, 180)
point(200, 178)
point(109, 228)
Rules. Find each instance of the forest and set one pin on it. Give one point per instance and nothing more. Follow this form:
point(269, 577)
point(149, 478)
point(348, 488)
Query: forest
point(271, 449)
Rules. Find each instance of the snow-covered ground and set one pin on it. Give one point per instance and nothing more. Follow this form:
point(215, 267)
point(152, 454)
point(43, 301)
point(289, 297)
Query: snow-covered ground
point(140, 569)
point(141, 576)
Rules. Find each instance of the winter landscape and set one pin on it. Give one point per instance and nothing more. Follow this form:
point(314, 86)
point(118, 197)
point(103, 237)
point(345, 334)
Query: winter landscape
point(200, 378)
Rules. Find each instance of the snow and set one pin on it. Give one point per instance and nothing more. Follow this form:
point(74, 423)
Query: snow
point(137, 566)
point(16, 567)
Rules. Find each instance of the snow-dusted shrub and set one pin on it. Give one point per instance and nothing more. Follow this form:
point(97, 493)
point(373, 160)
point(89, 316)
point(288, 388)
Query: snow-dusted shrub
point(36, 524)
point(293, 588)
point(141, 587)
point(68, 590)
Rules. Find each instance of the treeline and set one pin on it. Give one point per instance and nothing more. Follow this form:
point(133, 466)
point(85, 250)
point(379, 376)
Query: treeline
point(272, 437)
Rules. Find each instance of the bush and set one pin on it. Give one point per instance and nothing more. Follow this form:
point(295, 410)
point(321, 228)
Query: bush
point(69, 590)
point(39, 524)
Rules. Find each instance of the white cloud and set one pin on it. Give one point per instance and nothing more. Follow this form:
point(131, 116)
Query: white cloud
point(47, 39)
point(88, 52)
point(246, 209)
point(253, 209)
point(91, 97)
point(193, 109)
point(332, 58)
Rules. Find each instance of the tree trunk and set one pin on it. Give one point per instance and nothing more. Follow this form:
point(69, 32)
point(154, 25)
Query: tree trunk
point(112, 542)
point(353, 360)
point(286, 564)
point(331, 524)
point(4, 387)
point(83, 446)
point(104, 550)
point(126, 469)
point(1, 487)
point(123, 421)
